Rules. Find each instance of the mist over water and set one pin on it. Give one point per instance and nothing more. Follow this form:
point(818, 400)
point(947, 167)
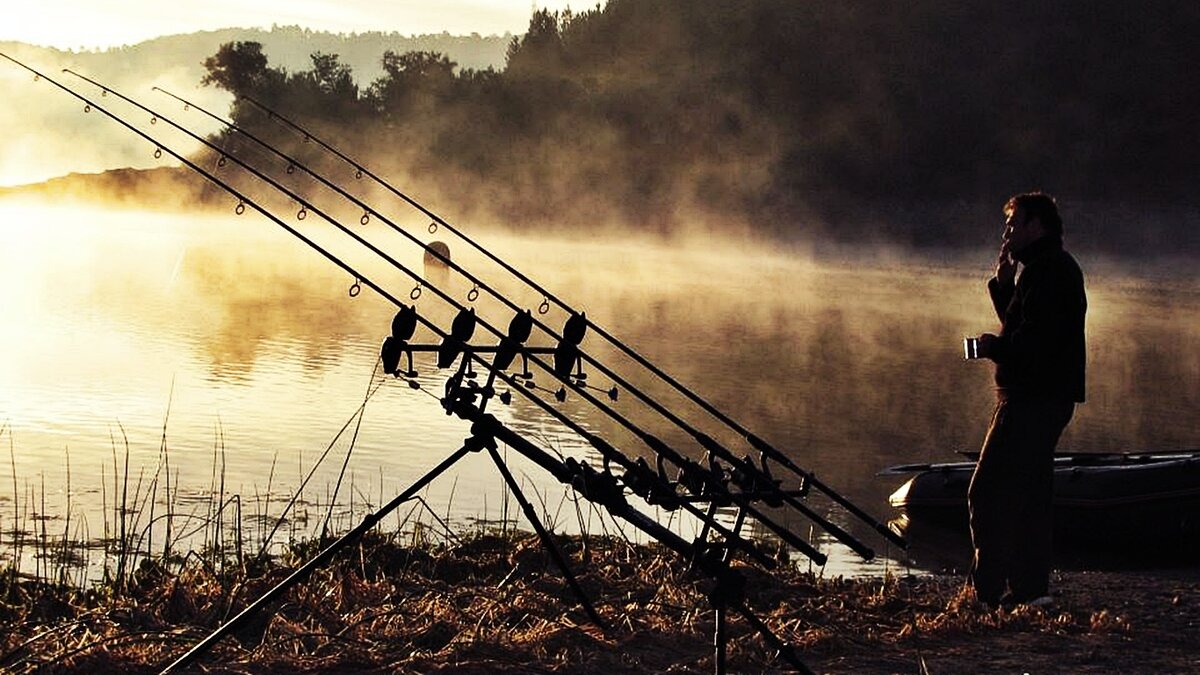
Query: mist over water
point(848, 363)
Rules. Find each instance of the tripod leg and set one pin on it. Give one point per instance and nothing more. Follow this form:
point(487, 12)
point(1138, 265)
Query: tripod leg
point(547, 540)
point(320, 559)
point(720, 638)
point(785, 650)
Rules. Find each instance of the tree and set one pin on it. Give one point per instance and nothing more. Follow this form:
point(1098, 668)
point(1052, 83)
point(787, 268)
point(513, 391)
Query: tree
point(241, 68)
point(327, 90)
point(331, 77)
point(540, 50)
point(410, 78)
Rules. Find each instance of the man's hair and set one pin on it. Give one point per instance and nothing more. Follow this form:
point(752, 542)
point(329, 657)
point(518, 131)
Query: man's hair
point(1037, 205)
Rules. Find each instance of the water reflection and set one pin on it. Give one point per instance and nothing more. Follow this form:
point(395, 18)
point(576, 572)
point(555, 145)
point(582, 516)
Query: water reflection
point(254, 345)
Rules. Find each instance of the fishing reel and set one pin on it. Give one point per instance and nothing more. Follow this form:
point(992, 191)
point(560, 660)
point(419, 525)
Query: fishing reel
point(567, 358)
point(568, 361)
point(395, 346)
point(653, 486)
point(455, 342)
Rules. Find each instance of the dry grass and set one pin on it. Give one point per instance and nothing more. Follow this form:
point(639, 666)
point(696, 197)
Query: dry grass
point(497, 604)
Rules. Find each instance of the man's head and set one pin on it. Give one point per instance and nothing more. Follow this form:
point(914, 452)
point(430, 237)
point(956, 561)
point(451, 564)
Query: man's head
point(1030, 216)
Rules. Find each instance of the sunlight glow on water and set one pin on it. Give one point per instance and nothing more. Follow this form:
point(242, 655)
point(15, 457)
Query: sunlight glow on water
point(110, 318)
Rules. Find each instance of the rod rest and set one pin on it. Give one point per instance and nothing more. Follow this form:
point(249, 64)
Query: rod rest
point(648, 484)
point(600, 487)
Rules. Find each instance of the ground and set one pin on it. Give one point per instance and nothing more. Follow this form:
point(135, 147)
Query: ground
point(1102, 622)
point(493, 605)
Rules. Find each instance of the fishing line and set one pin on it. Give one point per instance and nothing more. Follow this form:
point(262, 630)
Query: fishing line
point(178, 265)
point(321, 460)
point(608, 452)
point(706, 442)
point(763, 447)
point(353, 439)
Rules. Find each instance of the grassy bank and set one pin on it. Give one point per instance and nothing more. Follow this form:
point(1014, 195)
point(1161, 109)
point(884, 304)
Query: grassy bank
point(489, 603)
point(419, 596)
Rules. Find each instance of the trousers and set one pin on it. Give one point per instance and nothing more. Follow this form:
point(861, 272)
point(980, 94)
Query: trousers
point(1011, 500)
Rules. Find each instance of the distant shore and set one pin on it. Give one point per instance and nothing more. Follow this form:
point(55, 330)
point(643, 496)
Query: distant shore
point(1113, 232)
point(157, 188)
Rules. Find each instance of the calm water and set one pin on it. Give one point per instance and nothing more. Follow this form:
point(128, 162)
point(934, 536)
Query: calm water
point(247, 345)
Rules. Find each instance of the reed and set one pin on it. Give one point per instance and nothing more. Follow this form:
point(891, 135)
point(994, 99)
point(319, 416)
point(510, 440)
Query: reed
point(120, 520)
point(358, 418)
point(297, 495)
point(15, 539)
point(165, 462)
point(486, 603)
point(145, 529)
point(422, 595)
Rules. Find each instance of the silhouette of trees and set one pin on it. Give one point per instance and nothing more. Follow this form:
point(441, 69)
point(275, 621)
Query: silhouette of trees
point(654, 111)
point(241, 68)
point(540, 51)
point(413, 83)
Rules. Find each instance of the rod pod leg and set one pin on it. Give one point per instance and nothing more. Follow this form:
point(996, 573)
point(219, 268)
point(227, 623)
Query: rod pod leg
point(544, 535)
point(720, 637)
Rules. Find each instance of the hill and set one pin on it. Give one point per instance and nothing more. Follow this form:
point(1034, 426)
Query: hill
point(289, 46)
point(47, 137)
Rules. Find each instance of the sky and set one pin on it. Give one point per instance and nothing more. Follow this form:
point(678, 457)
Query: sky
point(96, 24)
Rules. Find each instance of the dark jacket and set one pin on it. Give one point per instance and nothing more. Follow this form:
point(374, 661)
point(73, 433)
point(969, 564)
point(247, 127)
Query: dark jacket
point(1041, 350)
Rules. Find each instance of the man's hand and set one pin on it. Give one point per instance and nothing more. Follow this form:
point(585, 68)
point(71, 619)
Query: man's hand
point(1006, 267)
point(987, 346)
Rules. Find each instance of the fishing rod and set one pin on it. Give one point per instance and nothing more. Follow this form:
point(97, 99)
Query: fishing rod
point(607, 451)
point(766, 449)
point(693, 474)
point(698, 474)
point(752, 475)
point(576, 474)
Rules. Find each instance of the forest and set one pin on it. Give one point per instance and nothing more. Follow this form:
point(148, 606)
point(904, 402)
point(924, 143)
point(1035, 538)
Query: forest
point(855, 120)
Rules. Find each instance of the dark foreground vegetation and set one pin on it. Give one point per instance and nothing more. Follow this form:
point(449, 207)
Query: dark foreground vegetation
point(851, 120)
point(491, 604)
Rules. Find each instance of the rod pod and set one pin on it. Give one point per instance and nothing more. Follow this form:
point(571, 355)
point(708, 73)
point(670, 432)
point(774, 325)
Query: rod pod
point(766, 450)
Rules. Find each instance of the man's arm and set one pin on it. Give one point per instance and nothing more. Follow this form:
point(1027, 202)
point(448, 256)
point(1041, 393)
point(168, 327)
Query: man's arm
point(1046, 305)
point(1001, 295)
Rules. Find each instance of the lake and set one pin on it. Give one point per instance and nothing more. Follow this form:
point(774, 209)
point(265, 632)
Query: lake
point(215, 354)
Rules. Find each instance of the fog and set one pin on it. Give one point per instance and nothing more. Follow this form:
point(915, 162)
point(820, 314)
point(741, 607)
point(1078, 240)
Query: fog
point(792, 121)
point(49, 134)
point(848, 363)
point(852, 351)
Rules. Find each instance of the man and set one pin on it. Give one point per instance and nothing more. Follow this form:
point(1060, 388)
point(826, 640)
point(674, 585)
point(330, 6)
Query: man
point(1040, 360)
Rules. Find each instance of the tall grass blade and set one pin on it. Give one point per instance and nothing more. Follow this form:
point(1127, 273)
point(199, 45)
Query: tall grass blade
point(350, 449)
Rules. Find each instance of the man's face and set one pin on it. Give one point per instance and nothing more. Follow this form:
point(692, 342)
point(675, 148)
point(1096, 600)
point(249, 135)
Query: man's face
point(1020, 230)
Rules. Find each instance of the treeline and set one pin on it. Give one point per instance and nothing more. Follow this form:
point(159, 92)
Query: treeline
point(775, 113)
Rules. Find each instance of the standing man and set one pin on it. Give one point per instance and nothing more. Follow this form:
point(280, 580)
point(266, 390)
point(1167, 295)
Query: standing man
point(1040, 359)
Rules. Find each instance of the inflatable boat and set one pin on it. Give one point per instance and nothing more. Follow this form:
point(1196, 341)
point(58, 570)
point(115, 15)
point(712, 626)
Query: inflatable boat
point(1136, 495)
